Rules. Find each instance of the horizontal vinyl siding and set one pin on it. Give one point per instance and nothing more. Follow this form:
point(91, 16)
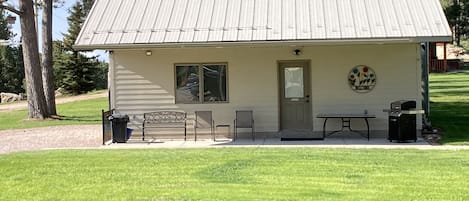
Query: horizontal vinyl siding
point(397, 73)
point(146, 83)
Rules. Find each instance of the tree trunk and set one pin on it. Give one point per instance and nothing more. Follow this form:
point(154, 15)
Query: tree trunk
point(47, 70)
point(456, 32)
point(32, 68)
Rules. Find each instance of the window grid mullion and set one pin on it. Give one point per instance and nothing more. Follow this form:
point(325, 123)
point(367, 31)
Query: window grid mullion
point(201, 84)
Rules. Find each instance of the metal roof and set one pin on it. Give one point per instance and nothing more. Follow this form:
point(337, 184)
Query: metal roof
point(133, 23)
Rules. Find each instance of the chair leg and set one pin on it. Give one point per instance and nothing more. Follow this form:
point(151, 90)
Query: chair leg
point(195, 134)
point(252, 133)
point(235, 135)
point(212, 129)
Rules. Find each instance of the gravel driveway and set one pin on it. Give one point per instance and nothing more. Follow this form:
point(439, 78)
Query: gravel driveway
point(50, 138)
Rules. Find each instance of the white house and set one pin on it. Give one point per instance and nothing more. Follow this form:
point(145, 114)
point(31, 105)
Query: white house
point(287, 60)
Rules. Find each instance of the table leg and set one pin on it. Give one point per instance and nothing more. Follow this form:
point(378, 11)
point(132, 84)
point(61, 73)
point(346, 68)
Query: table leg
point(324, 129)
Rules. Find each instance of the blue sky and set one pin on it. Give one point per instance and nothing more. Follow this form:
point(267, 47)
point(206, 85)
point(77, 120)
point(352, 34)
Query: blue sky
point(60, 26)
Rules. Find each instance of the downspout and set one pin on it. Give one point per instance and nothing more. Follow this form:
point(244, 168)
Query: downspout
point(425, 48)
point(425, 73)
point(419, 84)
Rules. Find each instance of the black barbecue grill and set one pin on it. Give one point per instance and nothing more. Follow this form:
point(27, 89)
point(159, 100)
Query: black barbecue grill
point(403, 121)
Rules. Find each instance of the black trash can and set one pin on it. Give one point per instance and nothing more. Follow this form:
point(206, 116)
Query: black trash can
point(119, 127)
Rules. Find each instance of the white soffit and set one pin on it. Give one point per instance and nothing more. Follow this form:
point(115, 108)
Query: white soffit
point(128, 23)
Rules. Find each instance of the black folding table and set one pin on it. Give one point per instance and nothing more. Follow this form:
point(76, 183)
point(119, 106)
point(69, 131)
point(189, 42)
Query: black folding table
point(346, 122)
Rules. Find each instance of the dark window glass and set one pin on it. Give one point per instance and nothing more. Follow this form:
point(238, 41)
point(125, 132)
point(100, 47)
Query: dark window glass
point(214, 83)
point(187, 84)
point(209, 78)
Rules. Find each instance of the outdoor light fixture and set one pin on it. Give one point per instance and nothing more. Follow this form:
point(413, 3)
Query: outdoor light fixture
point(297, 52)
point(148, 52)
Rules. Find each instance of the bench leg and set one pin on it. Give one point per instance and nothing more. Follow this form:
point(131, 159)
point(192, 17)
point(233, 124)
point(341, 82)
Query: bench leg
point(213, 133)
point(234, 131)
point(368, 129)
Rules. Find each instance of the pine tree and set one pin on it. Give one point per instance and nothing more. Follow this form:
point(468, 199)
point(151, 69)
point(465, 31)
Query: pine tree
point(37, 107)
point(11, 70)
point(457, 13)
point(47, 57)
point(75, 22)
point(60, 56)
point(78, 14)
point(5, 33)
point(78, 72)
point(11, 62)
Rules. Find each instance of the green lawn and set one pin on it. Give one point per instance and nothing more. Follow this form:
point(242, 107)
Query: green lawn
point(81, 112)
point(449, 111)
point(235, 174)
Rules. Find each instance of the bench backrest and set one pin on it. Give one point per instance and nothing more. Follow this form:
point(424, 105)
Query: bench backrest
point(165, 117)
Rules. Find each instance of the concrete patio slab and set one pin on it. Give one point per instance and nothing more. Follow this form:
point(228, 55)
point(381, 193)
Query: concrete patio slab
point(339, 141)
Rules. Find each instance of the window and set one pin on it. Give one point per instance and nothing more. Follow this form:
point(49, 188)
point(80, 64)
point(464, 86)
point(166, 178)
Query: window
point(191, 79)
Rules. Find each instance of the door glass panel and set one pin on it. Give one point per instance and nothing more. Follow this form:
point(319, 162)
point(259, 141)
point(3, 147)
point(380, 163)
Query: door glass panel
point(294, 86)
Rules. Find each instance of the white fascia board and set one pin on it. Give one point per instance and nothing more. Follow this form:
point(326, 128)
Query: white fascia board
point(278, 43)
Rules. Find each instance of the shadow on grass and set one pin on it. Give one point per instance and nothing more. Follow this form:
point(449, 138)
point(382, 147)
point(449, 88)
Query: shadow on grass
point(445, 87)
point(452, 118)
point(449, 94)
point(81, 119)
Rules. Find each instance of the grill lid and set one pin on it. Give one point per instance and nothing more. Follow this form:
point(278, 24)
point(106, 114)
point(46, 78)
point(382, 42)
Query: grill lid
point(403, 105)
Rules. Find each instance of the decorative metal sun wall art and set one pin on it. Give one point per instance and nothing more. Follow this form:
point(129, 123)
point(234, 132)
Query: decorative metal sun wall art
point(362, 79)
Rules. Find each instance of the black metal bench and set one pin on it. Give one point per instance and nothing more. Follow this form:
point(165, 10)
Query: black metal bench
point(164, 119)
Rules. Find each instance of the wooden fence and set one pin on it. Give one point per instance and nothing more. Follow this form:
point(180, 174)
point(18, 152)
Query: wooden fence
point(437, 66)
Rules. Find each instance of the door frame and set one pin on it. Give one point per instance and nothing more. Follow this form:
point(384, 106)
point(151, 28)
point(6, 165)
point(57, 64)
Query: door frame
point(307, 63)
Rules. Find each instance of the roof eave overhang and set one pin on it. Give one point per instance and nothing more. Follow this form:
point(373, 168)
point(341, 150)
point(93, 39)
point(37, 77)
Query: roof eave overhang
point(275, 43)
